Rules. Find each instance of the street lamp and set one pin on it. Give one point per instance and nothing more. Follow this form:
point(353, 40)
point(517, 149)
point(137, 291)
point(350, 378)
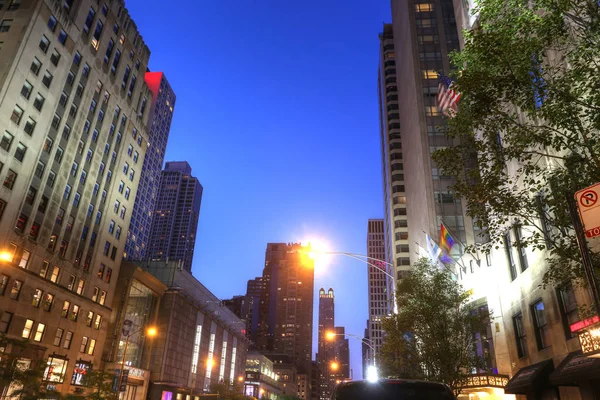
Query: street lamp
point(330, 336)
point(334, 366)
point(150, 332)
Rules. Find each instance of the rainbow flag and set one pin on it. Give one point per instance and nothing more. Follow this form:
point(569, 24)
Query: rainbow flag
point(446, 244)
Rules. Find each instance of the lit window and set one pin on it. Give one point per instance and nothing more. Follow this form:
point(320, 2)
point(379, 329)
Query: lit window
point(426, 7)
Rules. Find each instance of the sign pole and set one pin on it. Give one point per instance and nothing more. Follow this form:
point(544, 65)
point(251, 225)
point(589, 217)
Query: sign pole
point(588, 267)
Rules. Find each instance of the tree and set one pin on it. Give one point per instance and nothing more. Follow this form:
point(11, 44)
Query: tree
point(526, 131)
point(21, 375)
point(432, 336)
point(98, 386)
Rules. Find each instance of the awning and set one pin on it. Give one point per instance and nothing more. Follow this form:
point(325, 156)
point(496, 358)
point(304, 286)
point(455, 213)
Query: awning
point(575, 368)
point(530, 378)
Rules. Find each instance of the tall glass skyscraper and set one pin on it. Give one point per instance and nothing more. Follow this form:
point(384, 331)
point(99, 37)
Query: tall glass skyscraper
point(161, 114)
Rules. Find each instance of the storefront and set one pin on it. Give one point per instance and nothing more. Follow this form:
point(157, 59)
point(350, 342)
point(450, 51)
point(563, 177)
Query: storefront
point(485, 386)
point(533, 382)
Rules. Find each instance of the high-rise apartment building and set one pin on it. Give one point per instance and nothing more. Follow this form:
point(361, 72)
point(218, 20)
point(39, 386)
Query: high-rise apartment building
point(423, 33)
point(341, 354)
point(326, 349)
point(286, 310)
point(394, 191)
point(254, 294)
point(161, 114)
point(175, 220)
point(73, 119)
point(380, 286)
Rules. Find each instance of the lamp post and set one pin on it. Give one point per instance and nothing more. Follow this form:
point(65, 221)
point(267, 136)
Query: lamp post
point(150, 332)
point(331, 335)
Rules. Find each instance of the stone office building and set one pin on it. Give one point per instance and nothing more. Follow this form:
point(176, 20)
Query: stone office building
point(73, 135)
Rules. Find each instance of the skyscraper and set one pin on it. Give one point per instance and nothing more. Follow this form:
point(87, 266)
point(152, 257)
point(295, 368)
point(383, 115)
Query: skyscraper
point(173, 231)
point(341, 351)
point(394, 192)
point(161, 114)
point(380, 293)
point(424, 33)
point(326, 348)
point(73, 118)
point(286, 311)
point(255, 292)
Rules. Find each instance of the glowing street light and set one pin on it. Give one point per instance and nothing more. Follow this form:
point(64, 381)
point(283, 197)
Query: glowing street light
point(209, 363)
point(150, 332)
point(334, 366)
point(372, 374)
point(240, 379)
point(6, 256)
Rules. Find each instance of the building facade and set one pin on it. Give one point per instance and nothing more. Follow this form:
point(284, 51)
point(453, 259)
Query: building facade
point(175, 220)
point(255, 293)
point(73, 115)
point(392, 163)
point(424, 33)
point(199, 344)
point(380, 291)
point(286, 313)
point(161, 115)
point(261, 381)
point(287, 374)
point(326, 345)
point(135, 307)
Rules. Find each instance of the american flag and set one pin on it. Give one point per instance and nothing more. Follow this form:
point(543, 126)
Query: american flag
point(447, 98)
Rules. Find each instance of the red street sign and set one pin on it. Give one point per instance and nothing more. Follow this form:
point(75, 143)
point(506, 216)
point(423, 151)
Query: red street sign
point(589, 209)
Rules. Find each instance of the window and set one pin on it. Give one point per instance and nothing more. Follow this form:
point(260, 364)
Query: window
point(135, 156)
point(129, 152)
point(568, 308)
point(14, 5)
point(131, 85)
point(131, 174)
point(93, 106)
point(39, 332)
point(39, 170)
point(80, 372)
point(26, 90)
point(80, 286)
point(79, 92)
point(10, 179)
point(96, 189)
point(509, 256)
point(89, 20)
point(74, 312)
point(95, 136)
point(116, 28)
point(25, 256)
point(63, 246)
point(126, 77)
point(3, 283)
point(84, 342)
point(5, 25)
point(67, 193)
point(86, 70)
point(115, 64)
point(30, 126)
point(91, 347)
point(6, 141)
point(72, 280)
point(44, 44)
point(423, 7)
point(65, 309)
point(95, 294)
point(117, 205)
point(20, 152)
point(125, 168)
point(98, 321)
point(542, 331)
point(59, 154)
point(56, 121)
point(47, 301)
point(520, 336)
point(36, 65)
point(16, 115)
point(68, 339)
point(73, 110)
point(90, 318)
point(55, 274)
point(106, 250)
point(118, 232)
point(70, 78)
point(62, 37)
point(127, 192)
point(430, 74)
point(2, 207)
point(102, 298)
point(58, 336)
point(521, 251)
point(98, 217)
point(97, 33)
point(77, 58)
point(38, 103)
point(37, 297)
point(21, 223)
point(113, 253)
point(108, 275)
point(52, 23)
point(102, 266)
point(15, 289)
point(57, 367)
point(55, 57)
point(27, 329)
point(122, 213)
point(5, 321)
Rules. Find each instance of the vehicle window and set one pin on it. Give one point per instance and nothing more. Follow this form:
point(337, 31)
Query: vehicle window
point(392, 391)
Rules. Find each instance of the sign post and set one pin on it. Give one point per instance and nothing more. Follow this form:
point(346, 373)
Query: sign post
point(587, 221)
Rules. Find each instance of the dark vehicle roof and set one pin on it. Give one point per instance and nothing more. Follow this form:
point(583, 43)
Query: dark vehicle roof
point(392, 389)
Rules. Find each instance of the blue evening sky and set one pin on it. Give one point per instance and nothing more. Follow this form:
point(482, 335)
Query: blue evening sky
point(277, 114)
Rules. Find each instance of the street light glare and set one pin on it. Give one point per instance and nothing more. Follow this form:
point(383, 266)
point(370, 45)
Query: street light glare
point(152, 331)
point(330, 335)
point(372, 374)
point(334, 366)
point(6, 256)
